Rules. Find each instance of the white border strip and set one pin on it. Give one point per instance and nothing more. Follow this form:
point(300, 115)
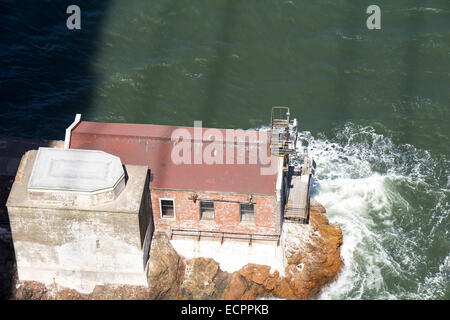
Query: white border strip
point(69, 131)
point(279, 183)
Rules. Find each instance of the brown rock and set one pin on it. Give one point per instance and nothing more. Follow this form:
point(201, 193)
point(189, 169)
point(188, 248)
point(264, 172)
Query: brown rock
point(316, 206)
point(165, 269)
point(236, 288)
point(120, 292)
point(203, 279)
point(261, 275)
point(313, 260)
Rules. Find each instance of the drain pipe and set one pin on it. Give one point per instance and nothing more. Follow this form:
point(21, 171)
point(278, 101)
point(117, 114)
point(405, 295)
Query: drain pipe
point(69, 131)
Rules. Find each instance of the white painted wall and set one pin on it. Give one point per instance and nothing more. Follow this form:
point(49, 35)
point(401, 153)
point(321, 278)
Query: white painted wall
point(80, 264)
point(95, 248)
point(232, 255)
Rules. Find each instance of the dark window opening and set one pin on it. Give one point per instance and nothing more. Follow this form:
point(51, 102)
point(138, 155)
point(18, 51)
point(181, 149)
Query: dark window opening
point(207, 210)
point(167, 209)
point(247, 212)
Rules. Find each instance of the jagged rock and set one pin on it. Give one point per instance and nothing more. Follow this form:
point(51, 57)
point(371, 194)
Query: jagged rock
point(203, 279)
point(121, 292)
point(316, 206)
point(313, 260)
point(165, 269)
point(236, 288)
point(312, 255)
point(260, 275)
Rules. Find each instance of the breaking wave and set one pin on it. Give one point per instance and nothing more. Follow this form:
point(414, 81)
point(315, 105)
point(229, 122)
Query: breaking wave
point(391, 201)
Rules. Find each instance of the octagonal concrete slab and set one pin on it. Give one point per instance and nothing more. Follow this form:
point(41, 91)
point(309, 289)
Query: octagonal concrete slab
point(77, 173)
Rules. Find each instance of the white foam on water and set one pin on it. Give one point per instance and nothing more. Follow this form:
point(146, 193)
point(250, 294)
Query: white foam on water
point(348, 202)
point(359, 177)
point(423, 9)
point(436, 284)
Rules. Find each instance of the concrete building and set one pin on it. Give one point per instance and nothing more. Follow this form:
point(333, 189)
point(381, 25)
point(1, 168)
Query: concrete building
point(217, 193)
point(79, 218)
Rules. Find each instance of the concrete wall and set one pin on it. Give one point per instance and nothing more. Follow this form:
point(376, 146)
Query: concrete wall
point(227, 214)
point(146, 224)
point(232, 255)
point(77, 249)
point(80, 247)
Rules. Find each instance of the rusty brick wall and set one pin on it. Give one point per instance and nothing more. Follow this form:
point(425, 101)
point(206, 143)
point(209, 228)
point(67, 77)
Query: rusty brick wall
point(227, 214)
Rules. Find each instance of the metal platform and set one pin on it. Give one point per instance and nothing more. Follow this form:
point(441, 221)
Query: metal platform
point(297, 206)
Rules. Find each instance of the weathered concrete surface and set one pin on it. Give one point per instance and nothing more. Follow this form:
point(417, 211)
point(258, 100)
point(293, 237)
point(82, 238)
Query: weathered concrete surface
point(232, 254)
point(81, 177)
point(75, 170)
point(78, 246)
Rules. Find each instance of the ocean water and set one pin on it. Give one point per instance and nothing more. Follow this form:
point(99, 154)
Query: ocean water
point(391, 201)
point(373, 105)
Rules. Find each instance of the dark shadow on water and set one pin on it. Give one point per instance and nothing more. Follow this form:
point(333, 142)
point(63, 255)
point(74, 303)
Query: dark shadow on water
point(164, 36)
point(216, 81)
point(410, 86)
point(12, 150)
point(350, 24)
point(8, 271)
point(45, 69)
point(45, 79)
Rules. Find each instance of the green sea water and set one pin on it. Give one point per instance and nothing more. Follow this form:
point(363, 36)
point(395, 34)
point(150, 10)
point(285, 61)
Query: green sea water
point(372, 105)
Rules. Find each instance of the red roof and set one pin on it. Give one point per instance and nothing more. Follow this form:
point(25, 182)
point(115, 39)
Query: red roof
point(151, 145)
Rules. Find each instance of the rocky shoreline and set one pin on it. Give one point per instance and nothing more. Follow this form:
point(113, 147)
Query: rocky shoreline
point(312, 254)
point(312, 260)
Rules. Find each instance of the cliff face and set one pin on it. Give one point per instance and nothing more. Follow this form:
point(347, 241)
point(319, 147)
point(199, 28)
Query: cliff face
point(312, 254)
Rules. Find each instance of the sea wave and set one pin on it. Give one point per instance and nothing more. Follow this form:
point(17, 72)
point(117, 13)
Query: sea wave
point(393, 209)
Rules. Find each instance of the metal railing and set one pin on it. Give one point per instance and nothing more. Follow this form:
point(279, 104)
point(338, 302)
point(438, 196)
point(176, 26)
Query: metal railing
point(280, 115)
point(250, 237)
point(283, 135)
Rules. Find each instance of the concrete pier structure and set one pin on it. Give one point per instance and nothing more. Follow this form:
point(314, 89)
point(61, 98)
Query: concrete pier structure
point(79, 219)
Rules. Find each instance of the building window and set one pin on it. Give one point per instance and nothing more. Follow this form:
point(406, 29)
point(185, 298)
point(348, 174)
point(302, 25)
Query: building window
point(167, 208)
point(247, 212)
point(207, 210)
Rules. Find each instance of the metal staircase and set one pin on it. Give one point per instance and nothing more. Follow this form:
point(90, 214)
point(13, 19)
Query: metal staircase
point(283, 137)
